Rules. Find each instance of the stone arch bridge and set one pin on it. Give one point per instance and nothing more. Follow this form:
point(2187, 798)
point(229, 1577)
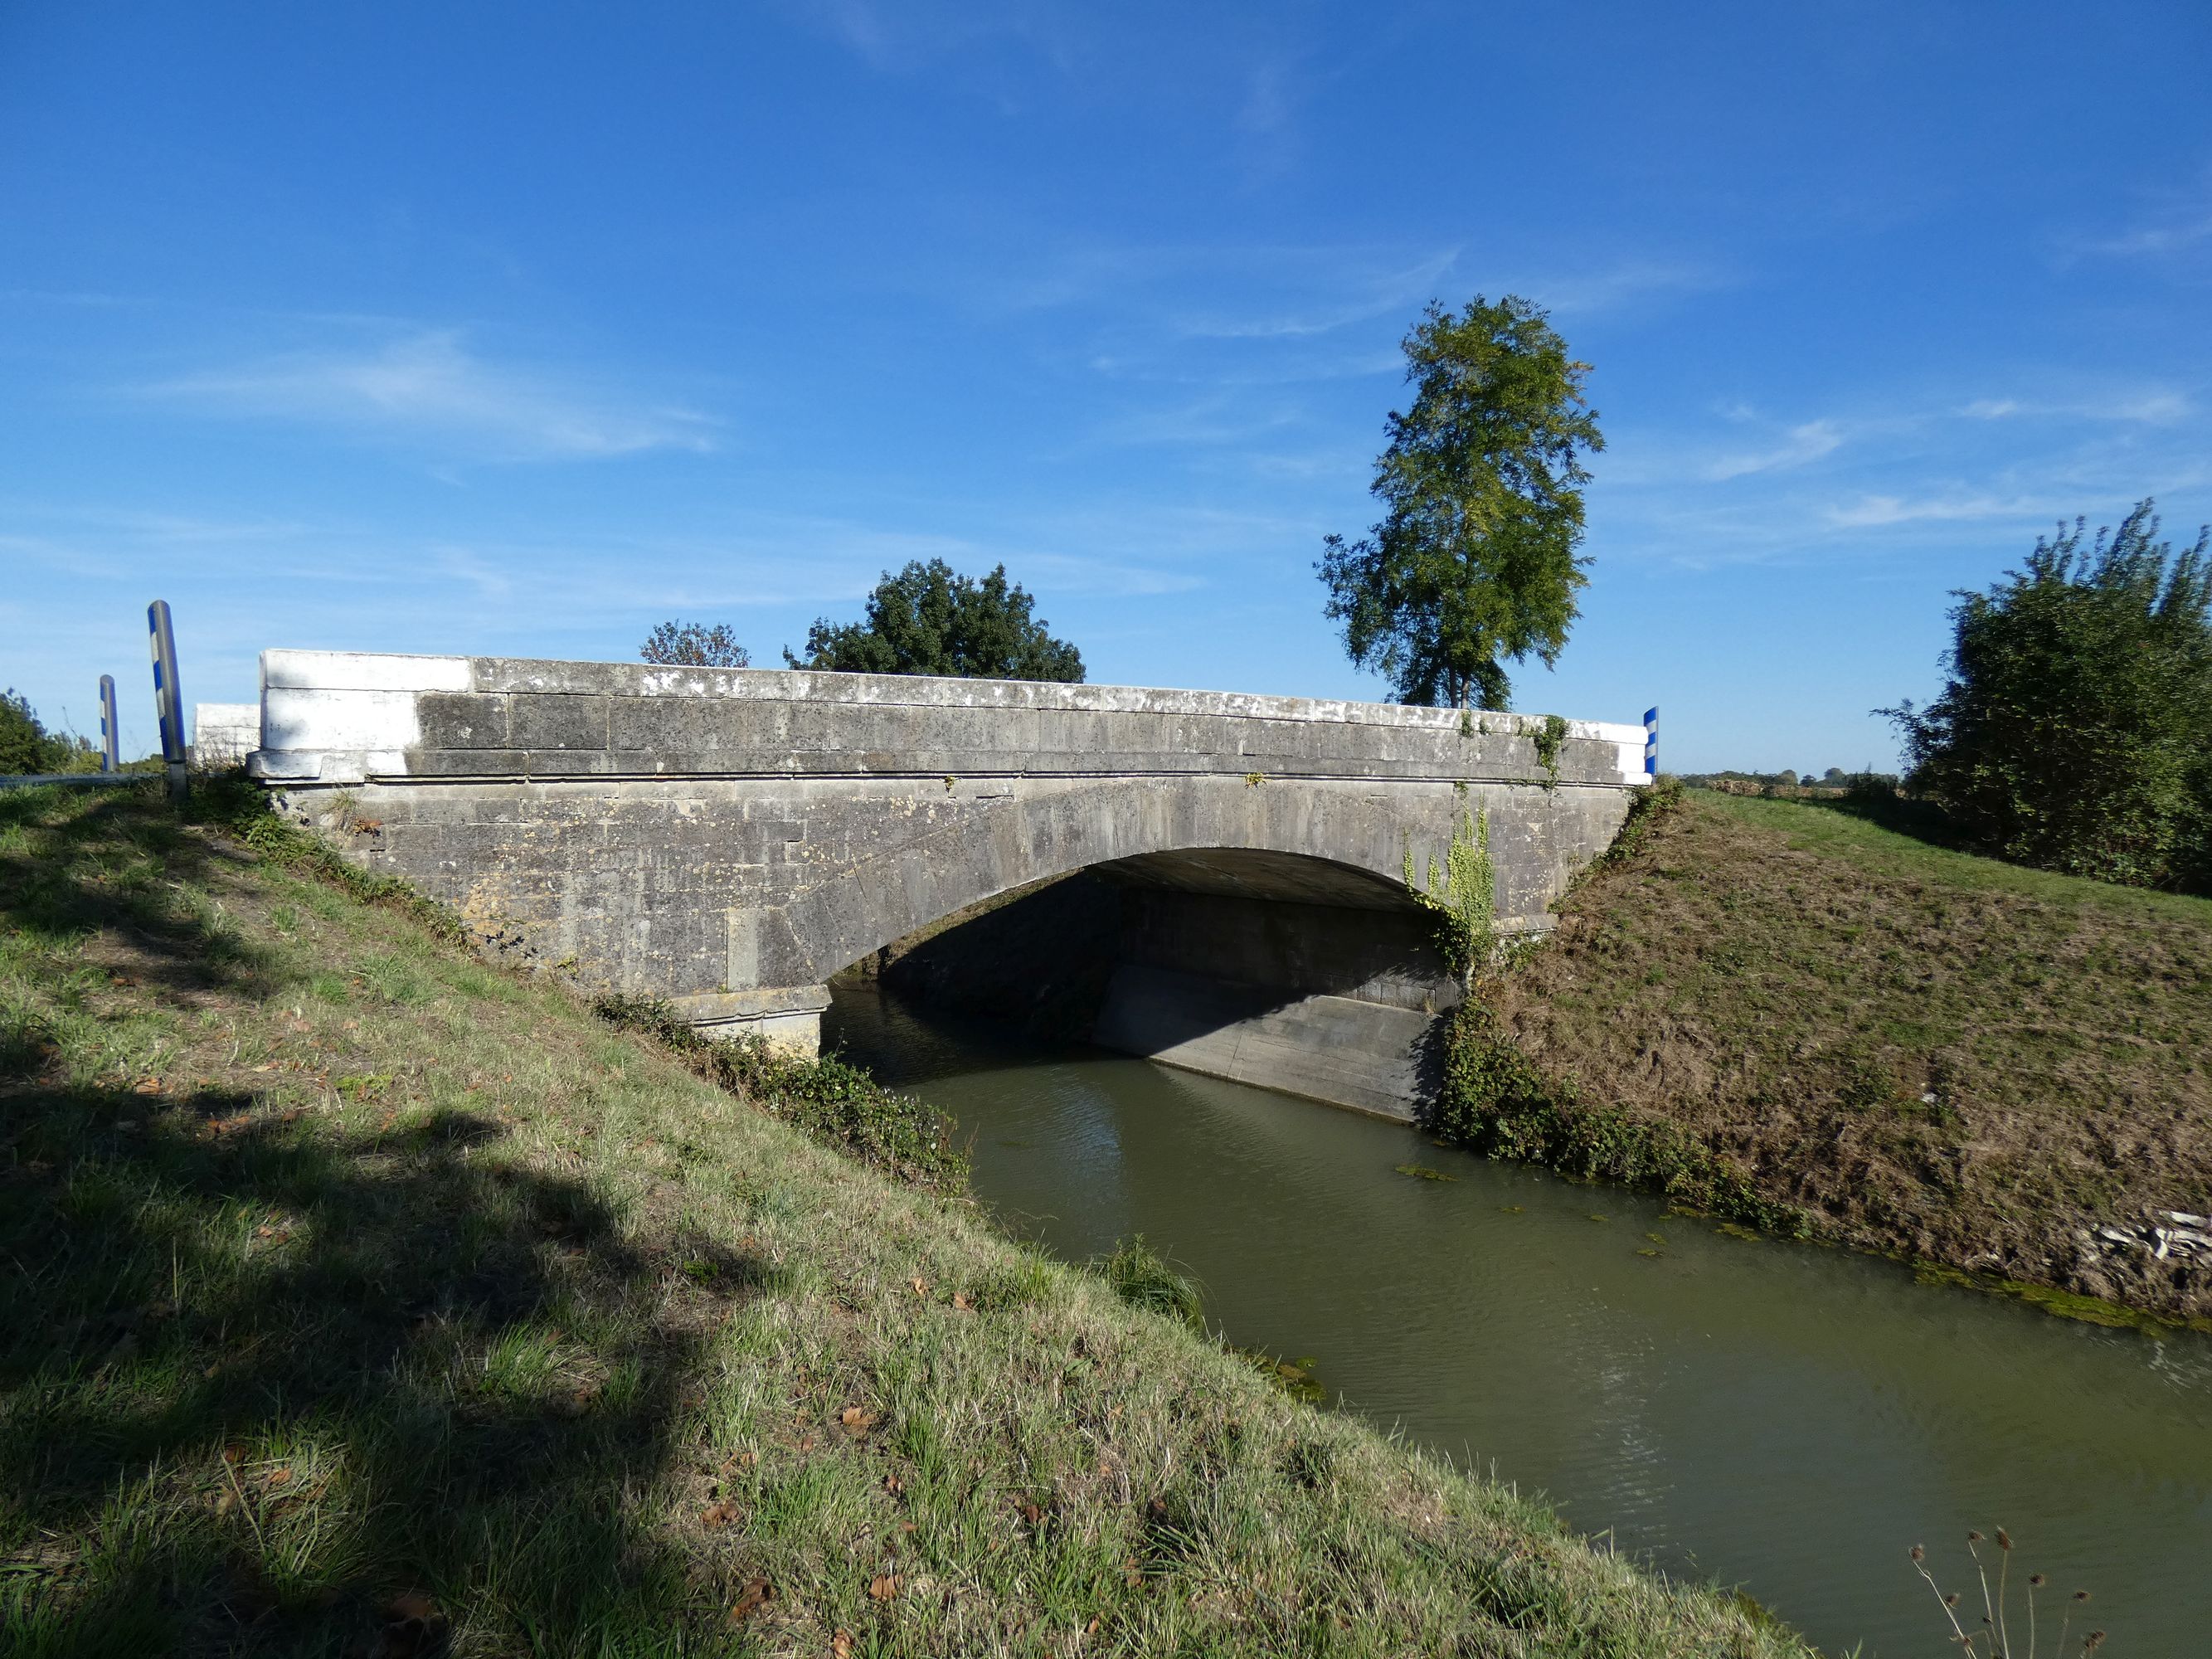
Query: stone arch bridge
point(729, 839)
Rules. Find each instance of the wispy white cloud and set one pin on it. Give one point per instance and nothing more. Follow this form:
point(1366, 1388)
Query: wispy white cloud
point(2159, 239)
point(2152, 405)
point(906, 36)
point(429, 385)
point(1800, 445)
point(2175, 220)
point(1610, 287)
point(1871, 511)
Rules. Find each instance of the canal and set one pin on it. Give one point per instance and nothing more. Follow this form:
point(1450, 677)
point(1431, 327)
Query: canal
point(1780, 1417)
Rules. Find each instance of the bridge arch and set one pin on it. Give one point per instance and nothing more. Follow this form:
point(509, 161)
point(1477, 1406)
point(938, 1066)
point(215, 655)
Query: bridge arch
point(1289, 842)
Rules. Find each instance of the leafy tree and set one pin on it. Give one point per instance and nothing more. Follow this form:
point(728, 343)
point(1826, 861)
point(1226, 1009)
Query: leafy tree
point(1475, 560)
point(930, 620)
point(695, 645)
point(2074, 731)
point(26, 747)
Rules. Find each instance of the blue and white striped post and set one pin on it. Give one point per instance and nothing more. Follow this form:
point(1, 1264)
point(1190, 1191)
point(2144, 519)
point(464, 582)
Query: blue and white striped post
point(109, 730)
point(1650, 742)
point(168, 697)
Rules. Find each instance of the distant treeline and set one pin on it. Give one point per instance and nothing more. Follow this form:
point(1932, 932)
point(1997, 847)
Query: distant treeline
point(1834, 784)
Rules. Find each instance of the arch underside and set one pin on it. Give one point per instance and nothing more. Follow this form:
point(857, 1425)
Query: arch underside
point(1284, 843)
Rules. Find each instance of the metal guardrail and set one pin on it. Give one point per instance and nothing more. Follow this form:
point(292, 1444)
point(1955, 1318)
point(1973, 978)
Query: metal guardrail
point(78, 780)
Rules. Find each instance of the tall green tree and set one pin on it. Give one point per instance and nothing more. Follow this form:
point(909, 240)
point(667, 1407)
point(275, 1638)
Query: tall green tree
point(929, 619)
point(1475, 560)
point(2075, 729)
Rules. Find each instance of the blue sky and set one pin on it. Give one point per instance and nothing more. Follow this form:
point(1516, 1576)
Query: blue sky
point(516, 329)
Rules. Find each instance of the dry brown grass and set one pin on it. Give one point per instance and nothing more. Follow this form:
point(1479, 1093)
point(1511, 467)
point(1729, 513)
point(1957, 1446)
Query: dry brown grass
point(1937, 1055)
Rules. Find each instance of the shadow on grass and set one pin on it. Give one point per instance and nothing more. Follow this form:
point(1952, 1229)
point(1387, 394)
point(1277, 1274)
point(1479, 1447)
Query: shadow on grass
point(1920, 820)
point(260, 1374)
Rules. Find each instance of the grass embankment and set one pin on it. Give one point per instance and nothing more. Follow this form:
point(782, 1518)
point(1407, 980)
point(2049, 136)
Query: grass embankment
point(359, 1297)
point(1794, 1017)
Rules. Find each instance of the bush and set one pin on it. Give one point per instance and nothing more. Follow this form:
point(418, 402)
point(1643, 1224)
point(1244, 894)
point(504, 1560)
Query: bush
point(2074, 730)
point(27, 748)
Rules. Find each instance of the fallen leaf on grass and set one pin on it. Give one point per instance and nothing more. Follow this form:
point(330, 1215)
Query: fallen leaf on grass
point(756, 1591)
point(961, 1303)
point(147, 1085)
point(841, 1645)
point(234, 1453)
point(719, 1514)
point(893, 1485)
point(857, 1421)
point(121, 979)
point(413, 1628)
point(921, 1286)
point(883, 1586)
point(576, 1404)
point(1033, 1515)
point(277, 1477)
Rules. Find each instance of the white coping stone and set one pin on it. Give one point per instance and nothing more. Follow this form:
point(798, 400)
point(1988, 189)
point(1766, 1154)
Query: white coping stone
point(231, 730)
point(362, 670)
point(373, 670)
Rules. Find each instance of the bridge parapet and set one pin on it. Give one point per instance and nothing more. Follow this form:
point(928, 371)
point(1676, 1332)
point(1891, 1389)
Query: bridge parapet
point(343, 717)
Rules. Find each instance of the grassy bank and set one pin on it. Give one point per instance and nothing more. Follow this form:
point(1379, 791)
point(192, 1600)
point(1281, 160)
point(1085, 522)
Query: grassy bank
point(360, 1298)
point(1793, 1016)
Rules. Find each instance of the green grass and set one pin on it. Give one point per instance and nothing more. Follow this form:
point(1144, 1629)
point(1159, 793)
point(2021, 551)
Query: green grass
point(356, 1297)
point(1769, 1004)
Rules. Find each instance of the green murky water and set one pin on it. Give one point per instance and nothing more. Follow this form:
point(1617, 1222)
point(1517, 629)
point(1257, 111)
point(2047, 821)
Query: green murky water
point(1785, 1418)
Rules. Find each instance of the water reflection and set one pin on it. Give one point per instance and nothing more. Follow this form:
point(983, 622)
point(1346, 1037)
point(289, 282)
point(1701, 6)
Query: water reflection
point(1784, 1417)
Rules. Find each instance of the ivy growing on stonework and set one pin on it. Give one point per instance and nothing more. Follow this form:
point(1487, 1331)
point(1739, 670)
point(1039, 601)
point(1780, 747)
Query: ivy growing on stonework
point(1462, 895)
point(1549, 741)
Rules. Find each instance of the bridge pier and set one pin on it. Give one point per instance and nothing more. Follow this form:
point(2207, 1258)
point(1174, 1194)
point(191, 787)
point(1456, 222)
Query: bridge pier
point(725, 840)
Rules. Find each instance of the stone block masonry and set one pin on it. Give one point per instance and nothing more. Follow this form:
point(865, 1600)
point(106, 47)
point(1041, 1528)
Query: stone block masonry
point(726, 839)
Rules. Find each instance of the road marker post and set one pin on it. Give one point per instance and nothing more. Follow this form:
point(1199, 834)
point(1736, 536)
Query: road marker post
point(168, 698)
point(1650, 742)
point(110, 728)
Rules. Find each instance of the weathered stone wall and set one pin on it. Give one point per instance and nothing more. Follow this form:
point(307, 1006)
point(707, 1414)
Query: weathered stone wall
point(728, 839)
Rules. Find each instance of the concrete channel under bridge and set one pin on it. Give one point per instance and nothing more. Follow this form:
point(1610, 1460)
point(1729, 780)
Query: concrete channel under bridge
point(1227, 872)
